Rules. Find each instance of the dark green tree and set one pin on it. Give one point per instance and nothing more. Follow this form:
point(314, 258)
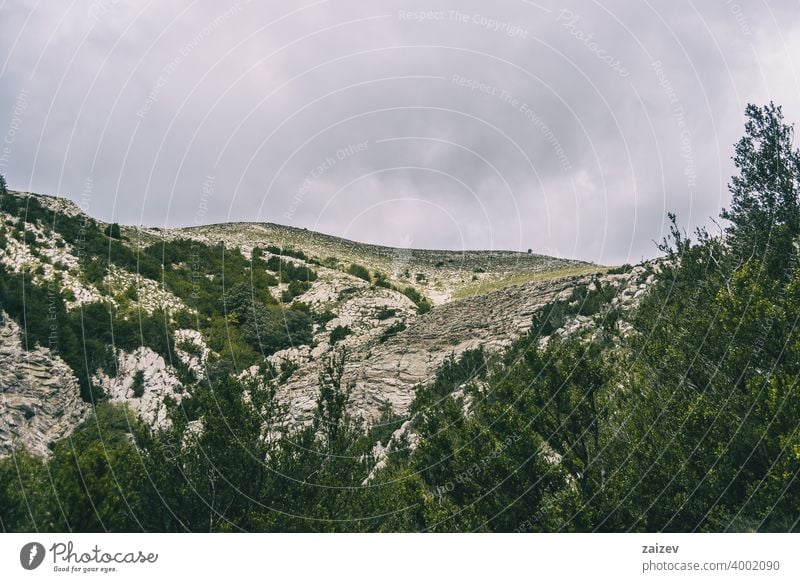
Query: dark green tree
point(764, 211)
point(112, 231)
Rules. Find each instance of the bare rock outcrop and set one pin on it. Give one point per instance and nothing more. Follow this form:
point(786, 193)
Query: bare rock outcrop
point(40, 399)
point(388, 372)
point(156, 382)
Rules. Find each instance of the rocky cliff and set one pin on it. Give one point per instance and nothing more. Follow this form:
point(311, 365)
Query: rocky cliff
point(369, 301)
point(386, 372)
point(39, 398)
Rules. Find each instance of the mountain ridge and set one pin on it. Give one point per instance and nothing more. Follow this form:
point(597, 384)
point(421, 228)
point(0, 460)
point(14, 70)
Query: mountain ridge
point(288, 300)
point(60, 201)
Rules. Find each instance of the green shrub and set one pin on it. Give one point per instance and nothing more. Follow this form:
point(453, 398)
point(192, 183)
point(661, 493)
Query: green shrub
point(296, 288)
point(413, 294)
point(323, 318)
point(391, 331)
point(588, 301)
point(359, 271)
point(300, 306)
point(470, 366)
point(138, 384)
point(288, 271)
point(386, 313)
point(381, 280)
point(288, 252)
point(338, 333)
point(423, 304)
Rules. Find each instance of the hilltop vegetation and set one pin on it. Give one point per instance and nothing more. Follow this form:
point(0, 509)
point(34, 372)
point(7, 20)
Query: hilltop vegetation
point(681, 415)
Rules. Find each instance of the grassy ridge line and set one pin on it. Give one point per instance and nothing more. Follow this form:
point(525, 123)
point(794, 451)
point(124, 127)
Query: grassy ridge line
point(446, 274)
point(522, 278)
point(443, 275)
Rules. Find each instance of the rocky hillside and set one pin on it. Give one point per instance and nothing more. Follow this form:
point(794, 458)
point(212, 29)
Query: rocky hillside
point(253, 377)
point(93, 311)
point(39, 397)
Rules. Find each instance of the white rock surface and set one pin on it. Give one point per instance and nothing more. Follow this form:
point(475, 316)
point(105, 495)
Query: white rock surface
point(40, 399)
point(196, 362)
point(159, 383)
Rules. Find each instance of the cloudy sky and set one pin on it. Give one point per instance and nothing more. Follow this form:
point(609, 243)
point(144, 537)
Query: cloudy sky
point(569, 128)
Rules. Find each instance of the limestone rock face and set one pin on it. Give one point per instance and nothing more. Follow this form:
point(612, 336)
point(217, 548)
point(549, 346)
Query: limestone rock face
point(40, 399)
point(389, 371)
point(157, 379)
point(192, 350)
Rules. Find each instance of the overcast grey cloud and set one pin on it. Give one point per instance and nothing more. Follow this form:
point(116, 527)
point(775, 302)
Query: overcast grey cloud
point(569, 128)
